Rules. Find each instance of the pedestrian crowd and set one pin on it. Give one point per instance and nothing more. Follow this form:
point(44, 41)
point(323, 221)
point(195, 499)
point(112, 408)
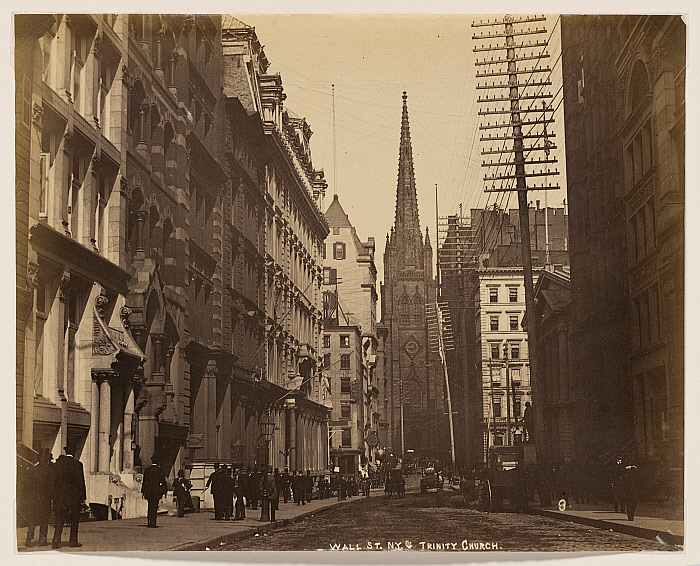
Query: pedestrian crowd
point(235, 490)
point(60, 487)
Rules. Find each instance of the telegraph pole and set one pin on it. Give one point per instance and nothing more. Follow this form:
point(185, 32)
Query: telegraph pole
point(514, 163)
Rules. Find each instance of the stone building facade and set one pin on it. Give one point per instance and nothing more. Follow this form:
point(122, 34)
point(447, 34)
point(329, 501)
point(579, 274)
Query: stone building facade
point(624, 103)
point(168, 254)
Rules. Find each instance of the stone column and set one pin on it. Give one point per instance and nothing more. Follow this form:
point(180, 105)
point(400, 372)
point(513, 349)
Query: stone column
point(128, 434)
point(89, 205)
point(94, 416)
point(118, 400)
point(64, 58)
point(104, 425)
point(292, 436)
point(61, 366)
point(61, 184)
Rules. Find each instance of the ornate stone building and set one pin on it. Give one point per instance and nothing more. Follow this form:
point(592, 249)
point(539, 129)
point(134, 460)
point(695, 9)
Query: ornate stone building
point(624, 102)
point(418, 400)
point(274, 232)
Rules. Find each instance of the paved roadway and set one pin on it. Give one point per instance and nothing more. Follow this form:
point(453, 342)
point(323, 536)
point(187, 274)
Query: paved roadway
point(434, 521)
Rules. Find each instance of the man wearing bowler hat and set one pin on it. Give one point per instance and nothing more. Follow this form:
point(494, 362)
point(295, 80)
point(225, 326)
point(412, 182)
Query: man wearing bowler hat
point(69, 495)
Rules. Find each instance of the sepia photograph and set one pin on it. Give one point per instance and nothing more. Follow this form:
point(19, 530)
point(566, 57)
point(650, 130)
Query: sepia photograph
point(409, 282)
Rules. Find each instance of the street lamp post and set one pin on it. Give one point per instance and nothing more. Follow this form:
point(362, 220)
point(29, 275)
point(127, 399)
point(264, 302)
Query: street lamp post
point(267, 430)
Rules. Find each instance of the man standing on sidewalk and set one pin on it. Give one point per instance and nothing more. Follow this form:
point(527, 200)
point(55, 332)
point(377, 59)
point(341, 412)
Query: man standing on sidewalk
point(69, 494)
point(269, 496)
point(181, 491)
point(155, 486)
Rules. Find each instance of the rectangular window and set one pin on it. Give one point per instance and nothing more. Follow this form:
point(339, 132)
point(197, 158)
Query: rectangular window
point(326, 360)
point(345, 385)
point(345, 361)
point(515, 351)
point(496, 407)
point(345, 411)
point(513, 294)
point(513, 321)
point(339, 250)
point(326, 340)
point(493, 295)
point(336, 230)
point(323, 253)
point(344, 341)
point(494, 322)
point(330, 276)
point(496, 375)
point(495, 352)
point(515, 375)
point(347, 438)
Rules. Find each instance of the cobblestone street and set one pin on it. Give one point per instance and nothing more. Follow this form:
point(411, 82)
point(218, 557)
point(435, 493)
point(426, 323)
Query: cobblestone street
point(433, 521)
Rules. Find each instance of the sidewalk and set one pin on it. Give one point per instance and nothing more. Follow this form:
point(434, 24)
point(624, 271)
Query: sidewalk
point(664, 523)
point(194, 531)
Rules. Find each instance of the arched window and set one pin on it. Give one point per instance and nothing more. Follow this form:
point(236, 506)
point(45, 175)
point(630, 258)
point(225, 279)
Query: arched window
point(404, 310)
point(418, 309)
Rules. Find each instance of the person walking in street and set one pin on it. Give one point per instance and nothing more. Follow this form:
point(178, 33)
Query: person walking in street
point(269, 496)
point(239, 479)
point(38, 495)
point(69, 495)
point(154, 487)
point(181, 490)
point(247, 491)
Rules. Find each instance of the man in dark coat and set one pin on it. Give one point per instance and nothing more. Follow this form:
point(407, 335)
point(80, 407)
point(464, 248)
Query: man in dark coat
point(286, 485)
point(269, 495)
point(38, 496)
point(69, 495)
point(239, 480)
point(255, 488)
point(154, 487)
point(227, 494)
point(215, 482)
point(308, 486)
point(181, 491)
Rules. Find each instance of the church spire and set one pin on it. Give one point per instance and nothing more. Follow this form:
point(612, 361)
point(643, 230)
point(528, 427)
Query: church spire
point(406, 199)
point(409, 240)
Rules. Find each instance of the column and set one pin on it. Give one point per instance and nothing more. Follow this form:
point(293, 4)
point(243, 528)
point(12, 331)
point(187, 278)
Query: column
point(292, 438)
point(64, 58)
point(61, 369)
point(94, 415)
point(89, 206)
point(119, 433)
point(142, 124)
point(128, 417)
point(61, 184)
point(104, 425)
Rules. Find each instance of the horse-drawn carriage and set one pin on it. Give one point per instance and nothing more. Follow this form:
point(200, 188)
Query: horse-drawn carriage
point(394, 483)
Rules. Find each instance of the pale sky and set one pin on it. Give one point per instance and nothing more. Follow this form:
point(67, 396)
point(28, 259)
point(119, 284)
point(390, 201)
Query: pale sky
point(371, 60)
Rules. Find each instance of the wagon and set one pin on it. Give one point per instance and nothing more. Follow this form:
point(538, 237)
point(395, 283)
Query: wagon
point(394, 483)
point(504, 484)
